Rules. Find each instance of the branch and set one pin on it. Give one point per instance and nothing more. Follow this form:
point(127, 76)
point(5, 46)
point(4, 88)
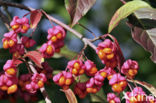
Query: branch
point(80, 36)
point(21, 6)
point(86, 29)
point(43, 91)
point(4, 18)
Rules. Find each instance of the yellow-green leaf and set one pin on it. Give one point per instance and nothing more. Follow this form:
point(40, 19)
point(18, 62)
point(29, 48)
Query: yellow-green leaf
point(125, 11)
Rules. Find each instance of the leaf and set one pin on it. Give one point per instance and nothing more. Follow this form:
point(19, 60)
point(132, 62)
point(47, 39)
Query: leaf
point(120, 57)
point(41, 101)
point(78, 8)
point(144, 31)
point(53, 89)
point(70, 96)
point(125, 11)
point(36, 57)
point(65, 52)
point(149, 87)
point(35, 17)
point(17, 62)
point(4, 54)
point(99, 97)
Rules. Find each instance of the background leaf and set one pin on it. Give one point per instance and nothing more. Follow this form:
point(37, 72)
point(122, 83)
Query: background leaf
point(125, 11)
point(99, 97)
point(41, 101)
point(70, 96)
point(143, 30)
point(78, 8)
point(4, 54)
point(65, 52)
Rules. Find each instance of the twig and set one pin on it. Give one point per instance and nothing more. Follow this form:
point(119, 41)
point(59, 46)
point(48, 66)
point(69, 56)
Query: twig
point(81, 54)
point(85, 40)
point(5, 20)
point(21, 6)
point(87, 29)
point(43, 91)
point(97, 38)
point(7, 12)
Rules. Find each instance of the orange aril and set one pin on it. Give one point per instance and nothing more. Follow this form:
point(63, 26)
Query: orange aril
point(5, 44)
point(59, 35)
point(103, 74)
point(76, 65)
point(40, 84)
point(62, 80)
point(53, 38)
point(12, 89)
point(49, 50)
point(11, 71)
point(107, 50)
point(68, 81)
point(14, 27)
point(116, 88)
point(101, 54)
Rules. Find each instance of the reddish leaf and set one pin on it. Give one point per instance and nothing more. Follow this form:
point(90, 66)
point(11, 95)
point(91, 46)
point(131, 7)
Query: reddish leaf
point(120, 57)
point(70, 96)
point(17, 62)
point(35, 17)
point(145, 34)
point(149, 87)
point(36, 57)
point(78, 8)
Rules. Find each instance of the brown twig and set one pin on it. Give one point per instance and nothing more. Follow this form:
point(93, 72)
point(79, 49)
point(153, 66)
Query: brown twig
point(85, 40)
point(4, 18)
point(21, 6)
point(97, 38)
point(87, 29)
point(5, 8)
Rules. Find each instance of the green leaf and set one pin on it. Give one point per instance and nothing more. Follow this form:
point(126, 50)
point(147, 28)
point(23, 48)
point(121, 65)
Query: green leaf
point(41, 101)
point(143, 29)
point(54, 93)
point(65, 52)
point(4, 54)
point(99, 97)
point(78, 8)
point(125, 11)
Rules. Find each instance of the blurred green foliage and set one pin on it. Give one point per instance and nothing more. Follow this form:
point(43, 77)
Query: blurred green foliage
point(97, 19)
